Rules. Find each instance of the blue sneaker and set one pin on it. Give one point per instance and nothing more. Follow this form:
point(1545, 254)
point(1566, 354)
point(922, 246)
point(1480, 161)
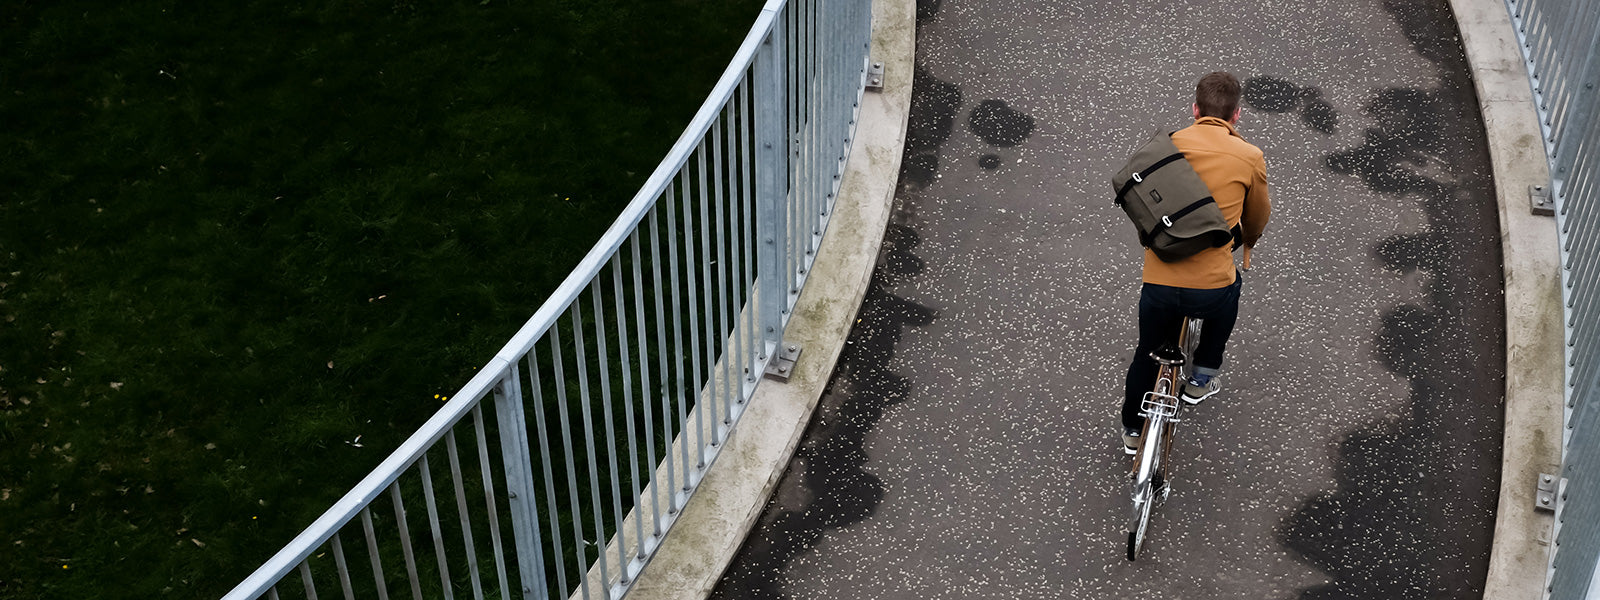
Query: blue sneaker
point(1199, 387)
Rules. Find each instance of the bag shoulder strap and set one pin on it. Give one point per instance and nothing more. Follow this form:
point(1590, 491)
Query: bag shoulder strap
point(1138, 176)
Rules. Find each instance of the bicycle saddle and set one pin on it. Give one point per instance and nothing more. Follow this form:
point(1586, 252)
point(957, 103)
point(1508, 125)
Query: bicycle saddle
point(1168, 354)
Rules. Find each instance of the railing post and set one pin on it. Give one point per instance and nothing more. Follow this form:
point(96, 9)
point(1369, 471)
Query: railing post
point(518, 463)
point(1579, 106)
point(772, 189)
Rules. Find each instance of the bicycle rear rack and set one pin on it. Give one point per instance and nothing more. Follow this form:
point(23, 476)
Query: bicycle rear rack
point(1159, 405)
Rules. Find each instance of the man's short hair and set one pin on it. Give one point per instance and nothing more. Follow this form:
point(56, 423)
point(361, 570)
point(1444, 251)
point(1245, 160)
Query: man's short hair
point(1217, 95)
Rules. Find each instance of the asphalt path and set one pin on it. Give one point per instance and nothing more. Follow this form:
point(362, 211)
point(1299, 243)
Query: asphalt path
point(967, 445)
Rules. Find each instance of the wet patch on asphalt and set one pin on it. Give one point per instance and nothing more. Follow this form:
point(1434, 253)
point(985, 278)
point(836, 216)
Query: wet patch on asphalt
point(998, 124)
point(1275, 95)
point(933, 115)
point(1271, 94)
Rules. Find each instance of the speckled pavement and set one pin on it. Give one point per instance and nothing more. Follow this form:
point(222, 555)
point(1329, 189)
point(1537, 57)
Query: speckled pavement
point(966, 447)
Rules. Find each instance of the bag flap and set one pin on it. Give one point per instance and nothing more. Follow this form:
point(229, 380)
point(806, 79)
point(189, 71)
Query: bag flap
point(1158, 147)
point(1201, 221)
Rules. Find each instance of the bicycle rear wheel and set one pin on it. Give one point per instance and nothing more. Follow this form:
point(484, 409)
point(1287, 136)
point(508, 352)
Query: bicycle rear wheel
point(1147, 484)
point(1141, 521)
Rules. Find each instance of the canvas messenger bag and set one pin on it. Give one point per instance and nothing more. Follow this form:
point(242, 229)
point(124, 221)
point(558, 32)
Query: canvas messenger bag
point(1168, 202)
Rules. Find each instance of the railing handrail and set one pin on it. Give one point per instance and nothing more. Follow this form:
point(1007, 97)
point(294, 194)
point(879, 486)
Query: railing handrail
point(350, 505)
point(460, 404)
point(645, 199)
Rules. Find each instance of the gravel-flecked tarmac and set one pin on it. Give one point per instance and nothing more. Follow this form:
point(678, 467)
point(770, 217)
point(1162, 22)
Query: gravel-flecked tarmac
point(967, 445)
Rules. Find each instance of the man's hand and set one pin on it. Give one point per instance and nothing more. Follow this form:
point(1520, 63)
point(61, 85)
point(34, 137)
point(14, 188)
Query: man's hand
point(1246, 259)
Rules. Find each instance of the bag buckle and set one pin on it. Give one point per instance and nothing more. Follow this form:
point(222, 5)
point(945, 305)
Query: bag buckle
point(1166, 221)
point(1137, 178)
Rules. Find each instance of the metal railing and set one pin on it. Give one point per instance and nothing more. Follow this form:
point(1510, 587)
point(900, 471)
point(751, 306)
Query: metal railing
point(635, 370)
point(1560, 40)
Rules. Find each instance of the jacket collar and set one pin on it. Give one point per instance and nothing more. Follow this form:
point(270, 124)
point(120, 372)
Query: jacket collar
point(1214, 121)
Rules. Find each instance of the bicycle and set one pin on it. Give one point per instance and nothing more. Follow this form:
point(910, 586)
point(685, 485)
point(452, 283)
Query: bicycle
point(1160, 409)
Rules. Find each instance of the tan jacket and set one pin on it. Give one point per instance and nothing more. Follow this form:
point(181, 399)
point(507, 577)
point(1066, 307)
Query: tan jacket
point(1236, 172)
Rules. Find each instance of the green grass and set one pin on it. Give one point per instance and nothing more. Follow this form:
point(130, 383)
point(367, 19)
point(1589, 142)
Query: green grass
point(233, 237)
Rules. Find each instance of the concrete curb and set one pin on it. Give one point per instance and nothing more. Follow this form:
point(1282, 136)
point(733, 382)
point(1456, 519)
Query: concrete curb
point(717, 519)
point(1518, 561)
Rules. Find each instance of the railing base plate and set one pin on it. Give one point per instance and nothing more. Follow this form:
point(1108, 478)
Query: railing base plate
point(782, 365)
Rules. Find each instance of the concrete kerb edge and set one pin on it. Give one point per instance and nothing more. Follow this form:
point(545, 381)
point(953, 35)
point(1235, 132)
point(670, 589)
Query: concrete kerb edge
point(1531, 263)
point(731, 498)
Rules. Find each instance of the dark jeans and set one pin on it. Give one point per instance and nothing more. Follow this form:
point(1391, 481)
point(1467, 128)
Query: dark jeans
point(1161, 309)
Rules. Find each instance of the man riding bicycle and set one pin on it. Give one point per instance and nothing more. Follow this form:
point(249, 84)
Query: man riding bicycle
point(1205, 285)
